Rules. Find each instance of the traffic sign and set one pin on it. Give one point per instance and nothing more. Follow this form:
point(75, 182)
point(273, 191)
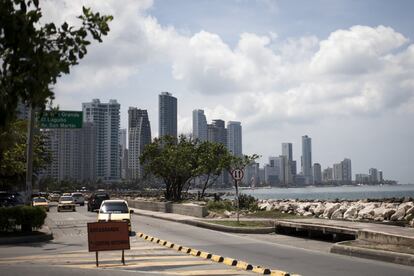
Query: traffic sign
point(237, 174)
point(61, 119)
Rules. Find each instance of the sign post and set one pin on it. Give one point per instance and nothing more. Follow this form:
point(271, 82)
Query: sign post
point(237, 175)
point(111, 235)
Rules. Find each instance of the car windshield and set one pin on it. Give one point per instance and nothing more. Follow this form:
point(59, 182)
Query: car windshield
point(114, 208)
point(39, 200)
point(66, 198)
point(102, 196)
point(77, 195)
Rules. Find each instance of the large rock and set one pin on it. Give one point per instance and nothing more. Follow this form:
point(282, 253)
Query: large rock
point(265, 206)
point(339, 213)
point(318, 210)
point(399, 214)
point(330, 208)
point(351, 213)
point(368, 212)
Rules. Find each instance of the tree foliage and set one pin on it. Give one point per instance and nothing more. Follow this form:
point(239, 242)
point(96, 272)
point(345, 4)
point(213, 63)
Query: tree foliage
point(33, 56)
point(13, 165)
point(176, 161)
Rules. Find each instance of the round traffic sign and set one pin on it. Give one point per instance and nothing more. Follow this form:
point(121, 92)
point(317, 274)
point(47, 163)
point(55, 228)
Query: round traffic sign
point(237, 174)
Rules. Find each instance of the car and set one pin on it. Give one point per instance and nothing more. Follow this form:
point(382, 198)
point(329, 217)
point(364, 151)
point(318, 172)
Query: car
point(95, 200)
point(115, 210)
point(41, 202)
point(79, 198)
point(54, 197)
point(66, 203)
point(9, 199)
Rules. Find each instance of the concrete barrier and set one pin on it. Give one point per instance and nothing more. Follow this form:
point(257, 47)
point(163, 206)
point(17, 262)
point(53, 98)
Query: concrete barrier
point(385, 238)
point(187, 209)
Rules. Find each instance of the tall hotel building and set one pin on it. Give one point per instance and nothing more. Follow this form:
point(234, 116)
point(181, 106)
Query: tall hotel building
point(234, 138)
point(106, 119)
point(199, 125)
point(139, 130)
point(167, 108)
point(307, 159)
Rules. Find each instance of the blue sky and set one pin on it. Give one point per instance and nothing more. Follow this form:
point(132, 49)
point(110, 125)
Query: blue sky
point(338, 71)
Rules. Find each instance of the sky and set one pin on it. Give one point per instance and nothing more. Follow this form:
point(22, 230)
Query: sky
point(341, 72)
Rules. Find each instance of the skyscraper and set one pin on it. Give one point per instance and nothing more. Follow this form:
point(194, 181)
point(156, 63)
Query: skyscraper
point(139, 136)
point(216, 132)
point(234, 138)
point(167, 108)
point(307, 158)
point(105, 118)
point(317, 173)
point(123, 153)
point(199, 125)
point(287, 151)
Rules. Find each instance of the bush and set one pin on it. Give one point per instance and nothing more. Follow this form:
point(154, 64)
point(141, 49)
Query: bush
point(25, 218)
point(248, 202)
point(220, 205)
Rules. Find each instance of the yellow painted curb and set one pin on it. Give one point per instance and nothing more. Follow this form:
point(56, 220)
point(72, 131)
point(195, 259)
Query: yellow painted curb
point(185, 249)
point(244, 265)
point(140, 234)
point(177, 247)
point(195, 252)
point(205, 255)
point(280, 273)
point(169, 244)
point(162, 242)
point(229, 261)
point(261, 270)
point(217, 258)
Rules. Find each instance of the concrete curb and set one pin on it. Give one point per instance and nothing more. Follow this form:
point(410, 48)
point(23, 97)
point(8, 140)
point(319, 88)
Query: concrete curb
point(375, 254)
point(217, 227)
point(216, 258)
point(46, 235)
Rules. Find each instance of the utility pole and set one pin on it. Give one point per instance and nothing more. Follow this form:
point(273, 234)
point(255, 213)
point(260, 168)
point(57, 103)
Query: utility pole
point(29, 155)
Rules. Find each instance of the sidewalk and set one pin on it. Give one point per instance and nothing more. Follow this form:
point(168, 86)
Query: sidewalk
point(373, 241)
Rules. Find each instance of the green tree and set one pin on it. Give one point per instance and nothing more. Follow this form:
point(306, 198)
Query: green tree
point(34, 55)
point(174, 161)
point(213, 159)
point(13, 165)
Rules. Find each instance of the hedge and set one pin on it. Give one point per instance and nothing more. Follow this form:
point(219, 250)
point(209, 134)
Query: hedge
point(21, 218)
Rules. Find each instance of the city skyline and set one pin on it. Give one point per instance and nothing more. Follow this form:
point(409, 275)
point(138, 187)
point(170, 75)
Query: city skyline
point(277, 72)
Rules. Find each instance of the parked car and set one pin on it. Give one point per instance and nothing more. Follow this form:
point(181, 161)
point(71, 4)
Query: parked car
point(9, 199)
point(54, 197)
point(79, 198)
point(94, 202)
point(41, 202)
point(115, 210)
point(66, 203)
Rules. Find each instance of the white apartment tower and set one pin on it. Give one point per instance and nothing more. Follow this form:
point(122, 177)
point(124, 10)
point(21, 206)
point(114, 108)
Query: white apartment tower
point(106, 119)
point(234, 138)
point(307, 158)
point(139, 136)
point(199, 125)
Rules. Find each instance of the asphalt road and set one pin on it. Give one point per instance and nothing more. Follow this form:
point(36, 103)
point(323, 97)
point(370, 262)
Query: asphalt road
point(68, 254)
point(298, 255)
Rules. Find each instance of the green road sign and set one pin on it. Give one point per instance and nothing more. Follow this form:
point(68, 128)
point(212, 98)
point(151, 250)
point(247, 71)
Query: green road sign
point(61, 119)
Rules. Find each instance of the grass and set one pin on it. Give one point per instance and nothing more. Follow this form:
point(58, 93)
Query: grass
point(273, 215)
point(234, 223)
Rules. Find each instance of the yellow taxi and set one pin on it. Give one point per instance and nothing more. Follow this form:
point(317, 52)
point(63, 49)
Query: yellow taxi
point(41, 202)
point(66, 203)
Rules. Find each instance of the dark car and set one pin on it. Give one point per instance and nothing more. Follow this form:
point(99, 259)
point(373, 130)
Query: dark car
point(95, 200)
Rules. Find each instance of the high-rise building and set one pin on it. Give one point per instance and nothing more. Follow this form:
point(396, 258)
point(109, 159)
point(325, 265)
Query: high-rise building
point(327, 175)
point(287, 151)
point(317, 173)
point(139, 136)
point(361, 178)
point(105, 118)
point(342, 171)
point(307, 158)
point(167, 108)
point(72, 153)
point(373, 175)
point(199, 125)
point(123, 154)
point(234, 138)
point(216, 132)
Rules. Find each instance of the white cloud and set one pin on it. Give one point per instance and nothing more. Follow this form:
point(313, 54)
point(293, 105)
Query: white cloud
point(358, 71)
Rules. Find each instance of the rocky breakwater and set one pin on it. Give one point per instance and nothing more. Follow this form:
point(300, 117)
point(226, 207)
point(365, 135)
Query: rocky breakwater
point(393, 210)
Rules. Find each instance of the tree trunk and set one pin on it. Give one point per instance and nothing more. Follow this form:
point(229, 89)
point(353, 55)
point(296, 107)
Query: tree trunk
point(205, 186)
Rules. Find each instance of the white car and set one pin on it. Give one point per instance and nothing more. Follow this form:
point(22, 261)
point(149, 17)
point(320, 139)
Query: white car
point(115, 210)
point(79, 198)
point(66, 203)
